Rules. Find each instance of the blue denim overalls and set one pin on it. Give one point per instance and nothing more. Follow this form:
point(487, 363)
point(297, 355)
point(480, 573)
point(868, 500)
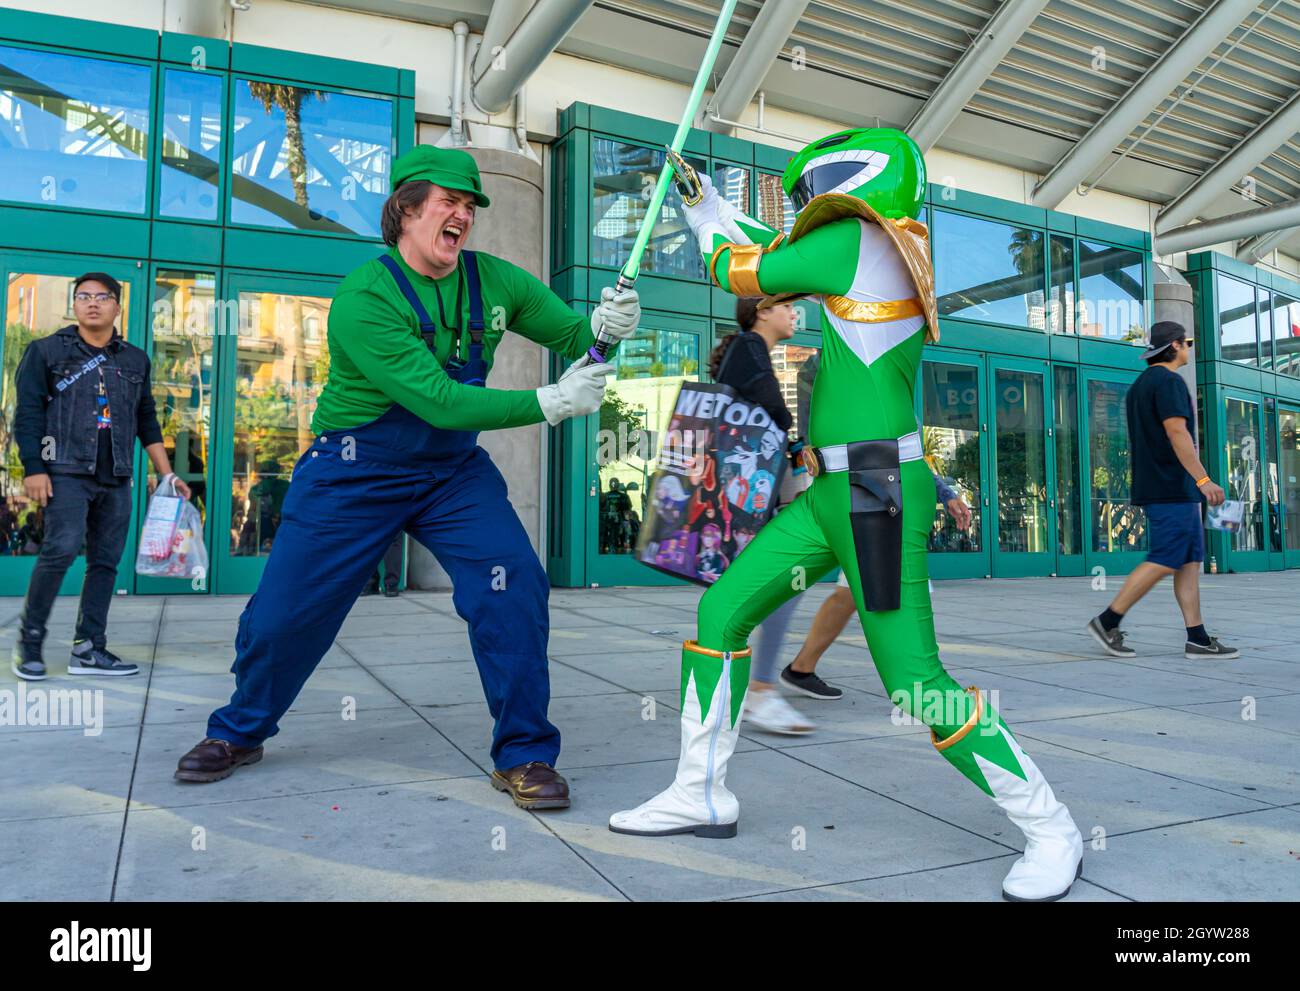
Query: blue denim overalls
point(352, 492)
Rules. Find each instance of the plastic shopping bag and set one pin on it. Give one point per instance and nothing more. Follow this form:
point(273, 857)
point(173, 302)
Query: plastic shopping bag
point(171, 541)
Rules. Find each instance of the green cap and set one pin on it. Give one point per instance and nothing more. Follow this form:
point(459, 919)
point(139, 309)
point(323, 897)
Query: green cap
point(450, 168)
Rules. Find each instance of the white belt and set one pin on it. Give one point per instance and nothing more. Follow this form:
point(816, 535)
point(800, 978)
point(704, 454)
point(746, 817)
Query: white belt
point(836, 457)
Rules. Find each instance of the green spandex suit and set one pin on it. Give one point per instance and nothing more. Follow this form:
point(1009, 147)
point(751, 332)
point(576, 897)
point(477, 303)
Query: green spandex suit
point(857, 248)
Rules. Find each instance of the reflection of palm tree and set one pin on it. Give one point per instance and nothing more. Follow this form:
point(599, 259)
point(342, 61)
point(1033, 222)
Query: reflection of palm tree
point(289, 100)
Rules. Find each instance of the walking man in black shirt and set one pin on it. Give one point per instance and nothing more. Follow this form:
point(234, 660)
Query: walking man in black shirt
point(1170, 482)
point(83, 398)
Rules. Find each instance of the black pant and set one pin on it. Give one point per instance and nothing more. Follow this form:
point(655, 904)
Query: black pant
point(392, 566)
point(81, 509)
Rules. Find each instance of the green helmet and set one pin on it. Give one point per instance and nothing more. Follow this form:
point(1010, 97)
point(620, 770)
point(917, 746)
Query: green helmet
point(879, 165)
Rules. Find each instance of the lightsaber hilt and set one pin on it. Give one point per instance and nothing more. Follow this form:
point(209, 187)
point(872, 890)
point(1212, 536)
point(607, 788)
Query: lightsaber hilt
point(604, 343)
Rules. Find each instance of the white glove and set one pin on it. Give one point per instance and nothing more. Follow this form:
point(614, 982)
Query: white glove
point(617, 313)
point(713, 215)
point(579, 392)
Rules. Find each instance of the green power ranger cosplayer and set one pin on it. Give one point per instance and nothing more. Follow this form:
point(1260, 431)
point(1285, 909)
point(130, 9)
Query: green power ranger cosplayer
point(858, 249)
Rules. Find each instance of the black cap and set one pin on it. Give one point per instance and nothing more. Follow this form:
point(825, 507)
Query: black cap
point(1164, 334)
point(105, 280)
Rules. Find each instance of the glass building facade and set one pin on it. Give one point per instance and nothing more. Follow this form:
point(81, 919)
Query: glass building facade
point(229, 188)
point(1043, 318)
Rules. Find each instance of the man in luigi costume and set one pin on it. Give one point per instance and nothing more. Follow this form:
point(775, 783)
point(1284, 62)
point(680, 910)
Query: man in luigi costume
point(412, 334)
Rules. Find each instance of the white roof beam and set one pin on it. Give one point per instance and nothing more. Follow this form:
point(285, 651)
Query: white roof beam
point(1232, 228)
point(529, 44)
point(1234, 166)
point(502, 21)
point(1258, 247)
point(949, 99)
point(1202, 38)
point(763, 43)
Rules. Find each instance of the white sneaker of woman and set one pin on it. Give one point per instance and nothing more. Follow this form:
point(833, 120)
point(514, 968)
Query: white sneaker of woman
point(769, 711)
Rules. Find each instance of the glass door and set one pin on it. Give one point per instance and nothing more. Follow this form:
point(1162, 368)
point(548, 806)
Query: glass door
point(1243, 444)
point(623, 442)
point(953, 430)
point(272, 360)
point(1115, 531)
point(1024, 525)
point(183, 331)
point(38, 302)
point(1288, 474)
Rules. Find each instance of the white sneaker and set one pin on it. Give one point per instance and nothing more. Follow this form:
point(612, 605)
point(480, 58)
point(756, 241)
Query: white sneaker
point(770, 712)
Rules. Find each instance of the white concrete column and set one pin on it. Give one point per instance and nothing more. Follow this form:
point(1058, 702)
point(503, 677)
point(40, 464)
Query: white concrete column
point(511, 228)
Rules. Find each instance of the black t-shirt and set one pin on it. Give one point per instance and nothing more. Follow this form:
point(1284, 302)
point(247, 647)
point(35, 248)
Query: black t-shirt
point(104, 422)
point(1158, 475)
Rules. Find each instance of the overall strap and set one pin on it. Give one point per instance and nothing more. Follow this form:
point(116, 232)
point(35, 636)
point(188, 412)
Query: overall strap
point(475, 297)
point(428, 329)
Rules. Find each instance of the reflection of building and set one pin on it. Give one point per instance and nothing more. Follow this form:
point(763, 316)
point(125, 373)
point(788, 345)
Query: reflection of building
point(787, 360)
point(774, 208)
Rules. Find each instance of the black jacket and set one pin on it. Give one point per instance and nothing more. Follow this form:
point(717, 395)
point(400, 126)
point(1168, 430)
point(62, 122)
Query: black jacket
point(57, 382)
point(747, 367)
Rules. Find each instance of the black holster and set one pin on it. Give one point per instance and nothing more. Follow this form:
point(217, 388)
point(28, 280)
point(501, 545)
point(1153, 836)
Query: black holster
point(876, 514)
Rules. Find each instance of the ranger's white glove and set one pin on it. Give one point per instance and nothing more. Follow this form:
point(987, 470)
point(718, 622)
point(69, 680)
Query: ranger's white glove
point(617, 313)
point(579, 392)
point(713, 215)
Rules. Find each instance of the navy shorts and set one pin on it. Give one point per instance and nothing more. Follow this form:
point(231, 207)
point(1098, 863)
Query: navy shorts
point(1177, 536)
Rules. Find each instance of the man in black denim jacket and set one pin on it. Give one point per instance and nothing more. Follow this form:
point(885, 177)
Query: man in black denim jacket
point(83, 397)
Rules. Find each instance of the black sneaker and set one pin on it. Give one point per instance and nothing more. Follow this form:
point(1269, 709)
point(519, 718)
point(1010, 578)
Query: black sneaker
point(27, 661)
point(809, 684)
point(89, 659)
point(1215, 648)
point(1112, 641)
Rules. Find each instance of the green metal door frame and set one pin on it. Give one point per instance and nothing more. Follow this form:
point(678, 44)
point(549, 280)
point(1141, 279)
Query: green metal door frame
point(1230, 559)
point(1010, 564)
point(1112, 562)
point(15, 571)
point(966, 564)
point(199, 584)
point(237, 574)
point(1290, 558)
point(601, 570)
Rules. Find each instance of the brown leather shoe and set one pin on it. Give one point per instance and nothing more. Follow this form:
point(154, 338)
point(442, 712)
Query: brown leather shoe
point(533, 786)
point(213, 759)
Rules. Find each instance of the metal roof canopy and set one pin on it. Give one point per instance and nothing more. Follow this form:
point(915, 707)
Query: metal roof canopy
point(1061, 83)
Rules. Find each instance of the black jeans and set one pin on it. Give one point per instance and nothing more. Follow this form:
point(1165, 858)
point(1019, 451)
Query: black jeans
point(80, 509)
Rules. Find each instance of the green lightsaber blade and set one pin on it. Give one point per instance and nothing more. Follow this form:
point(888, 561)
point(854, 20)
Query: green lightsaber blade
point(632, 268)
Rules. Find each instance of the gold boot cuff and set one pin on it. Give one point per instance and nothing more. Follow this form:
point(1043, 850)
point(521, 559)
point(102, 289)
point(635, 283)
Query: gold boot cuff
point(969, 725)
point(695, 648)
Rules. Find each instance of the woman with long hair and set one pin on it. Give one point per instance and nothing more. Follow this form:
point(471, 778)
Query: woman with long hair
point(743, 361)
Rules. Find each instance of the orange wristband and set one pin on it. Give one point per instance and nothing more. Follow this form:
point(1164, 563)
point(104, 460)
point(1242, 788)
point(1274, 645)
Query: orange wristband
point(1202, 481)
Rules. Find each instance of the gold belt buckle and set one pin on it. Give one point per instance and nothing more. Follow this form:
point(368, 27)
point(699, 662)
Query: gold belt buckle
point(809, 457)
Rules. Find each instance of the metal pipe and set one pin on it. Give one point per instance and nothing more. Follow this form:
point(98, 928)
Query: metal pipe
point(501, 23)
point(965, 78)
point(461, 31)
point(763, 43)
point(1230, 228)
point(1262, 142)
point(1257, 247)
point(1183, 56)
point(537, 35)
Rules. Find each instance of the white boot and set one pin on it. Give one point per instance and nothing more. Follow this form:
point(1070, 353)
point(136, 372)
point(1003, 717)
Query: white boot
point(1053, 847)
point(698, 800)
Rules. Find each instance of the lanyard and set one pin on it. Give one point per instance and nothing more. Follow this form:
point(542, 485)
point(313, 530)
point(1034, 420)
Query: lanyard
point(458, 328)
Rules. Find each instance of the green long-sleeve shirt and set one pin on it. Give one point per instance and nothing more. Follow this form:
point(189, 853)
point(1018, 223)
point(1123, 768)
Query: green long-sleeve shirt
point(378, 358)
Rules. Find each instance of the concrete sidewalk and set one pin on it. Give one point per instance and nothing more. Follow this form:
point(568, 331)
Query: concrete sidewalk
point(1182, 774)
